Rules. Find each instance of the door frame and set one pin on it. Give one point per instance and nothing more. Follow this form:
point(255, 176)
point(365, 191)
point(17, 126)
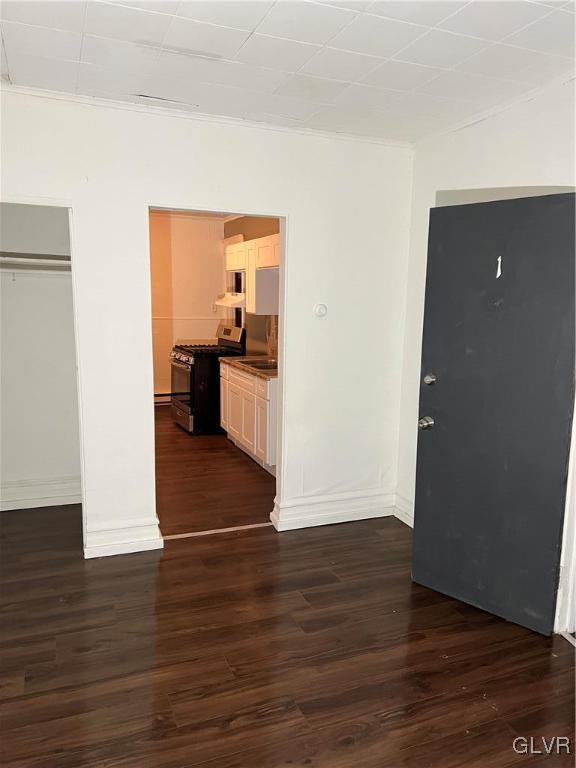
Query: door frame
point(565, 619)
point(284, 220)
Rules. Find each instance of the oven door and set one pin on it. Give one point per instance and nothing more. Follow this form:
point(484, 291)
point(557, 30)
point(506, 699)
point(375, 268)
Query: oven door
point(182, 380)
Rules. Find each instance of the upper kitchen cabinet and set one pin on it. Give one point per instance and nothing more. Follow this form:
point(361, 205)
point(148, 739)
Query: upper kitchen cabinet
point(267, 251)
point(236, 257)
point(261, 284)
point(259, 260)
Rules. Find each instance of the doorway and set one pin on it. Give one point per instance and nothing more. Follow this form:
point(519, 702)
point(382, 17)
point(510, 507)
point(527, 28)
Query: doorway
point(215, 287)
point(40, 422)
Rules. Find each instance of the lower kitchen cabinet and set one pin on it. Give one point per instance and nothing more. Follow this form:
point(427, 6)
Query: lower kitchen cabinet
point(261, 429)
point(248, 413)
point(224, 403)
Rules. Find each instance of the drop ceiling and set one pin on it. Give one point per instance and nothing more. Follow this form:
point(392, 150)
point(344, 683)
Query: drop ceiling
point(388, 70)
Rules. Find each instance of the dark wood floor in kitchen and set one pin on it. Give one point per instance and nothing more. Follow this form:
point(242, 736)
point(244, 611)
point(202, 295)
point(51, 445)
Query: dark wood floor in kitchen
point(204, 482)
point(307, 649)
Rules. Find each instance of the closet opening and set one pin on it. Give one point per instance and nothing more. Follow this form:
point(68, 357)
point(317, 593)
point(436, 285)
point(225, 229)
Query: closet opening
point(40, 441)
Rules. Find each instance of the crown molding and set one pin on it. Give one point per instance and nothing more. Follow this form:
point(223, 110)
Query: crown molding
point(160, 111)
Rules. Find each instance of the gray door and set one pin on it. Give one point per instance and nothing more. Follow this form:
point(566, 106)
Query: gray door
point(499, 342)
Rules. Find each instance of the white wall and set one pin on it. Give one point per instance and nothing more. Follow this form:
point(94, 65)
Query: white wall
point(530, 144)
point(40, 449)
point(188, 274)
point(37, 229)
point(347, 209)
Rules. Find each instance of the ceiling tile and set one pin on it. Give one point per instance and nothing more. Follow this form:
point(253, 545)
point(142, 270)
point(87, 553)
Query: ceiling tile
point(3, 60)
point(477, 88)
point(353, 5)
point(305, 21)
point(47, 13)
point(340, 65)
point(372, 123)
point(341, 120)
point(118, 54)
point(239, 75)
point(314, 88)
point(345, 87)
point(37, 72)
point(21, 39)
point(243, 14)
point(231, 73)
point(357, 95)
point(93, 78)
point(159, 6)
point(547, 69)
point(286, 55)
point(117, 21)
point(181, 89)
point(195, 37)
point(501, 61)
point(401, 76)
point(375, 36)
point(441, 49)
point(494, 20)
point(416, 104)
point(552, 34)
point(233, 102)
point(554, 3)
point(285, 106)
point(427, 12)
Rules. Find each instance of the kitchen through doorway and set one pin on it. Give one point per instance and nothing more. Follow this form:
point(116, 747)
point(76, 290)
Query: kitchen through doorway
point(215, 286)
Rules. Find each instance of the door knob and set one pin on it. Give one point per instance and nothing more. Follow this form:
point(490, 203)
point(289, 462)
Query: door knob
point(426, 422)
point(430, 378)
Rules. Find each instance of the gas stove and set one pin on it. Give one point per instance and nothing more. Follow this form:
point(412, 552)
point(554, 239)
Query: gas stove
point(195, 390)
point(186, 353)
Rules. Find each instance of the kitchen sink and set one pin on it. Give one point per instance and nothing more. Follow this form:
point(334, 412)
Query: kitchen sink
point(264, 365)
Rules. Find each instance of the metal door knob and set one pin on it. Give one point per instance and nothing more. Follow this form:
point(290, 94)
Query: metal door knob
point(430, 378)
point(426, 422)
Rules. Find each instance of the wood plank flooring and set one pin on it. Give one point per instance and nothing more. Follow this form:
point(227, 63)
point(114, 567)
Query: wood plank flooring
point(309, 649)
point(203, 482)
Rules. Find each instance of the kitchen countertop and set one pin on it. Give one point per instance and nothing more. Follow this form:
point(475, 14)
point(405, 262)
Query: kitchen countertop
point(243, 364)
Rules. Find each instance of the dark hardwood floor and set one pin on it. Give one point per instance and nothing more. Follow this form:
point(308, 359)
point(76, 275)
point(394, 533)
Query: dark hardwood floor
point(204, 482)
point(308, 648)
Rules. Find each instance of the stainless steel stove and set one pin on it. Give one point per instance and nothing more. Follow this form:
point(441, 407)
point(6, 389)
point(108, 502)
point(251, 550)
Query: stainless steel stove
point(195, 390)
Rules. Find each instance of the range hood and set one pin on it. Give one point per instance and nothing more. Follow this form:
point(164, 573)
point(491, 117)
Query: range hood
point(231, 300)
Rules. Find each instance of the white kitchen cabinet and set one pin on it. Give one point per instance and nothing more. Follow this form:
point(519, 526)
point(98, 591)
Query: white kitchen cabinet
point(262, 285)
point(249, 413)
point(224, 403)
point(259, 260)
point(234, 412)
point(267, 251)
point(261, 430)
point(236, 257)
point(242, 416)
point(248, 432)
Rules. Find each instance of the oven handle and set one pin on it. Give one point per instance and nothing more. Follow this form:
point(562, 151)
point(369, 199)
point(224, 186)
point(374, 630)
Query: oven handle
point(183, 366)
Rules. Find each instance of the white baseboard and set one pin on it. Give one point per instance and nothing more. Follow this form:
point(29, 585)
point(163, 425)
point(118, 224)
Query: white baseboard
point(27, 494)
point(326, 510)
point(139, 536)
point(404, 510)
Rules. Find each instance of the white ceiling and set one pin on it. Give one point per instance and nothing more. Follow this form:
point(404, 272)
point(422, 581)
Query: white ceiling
point(390, 69)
